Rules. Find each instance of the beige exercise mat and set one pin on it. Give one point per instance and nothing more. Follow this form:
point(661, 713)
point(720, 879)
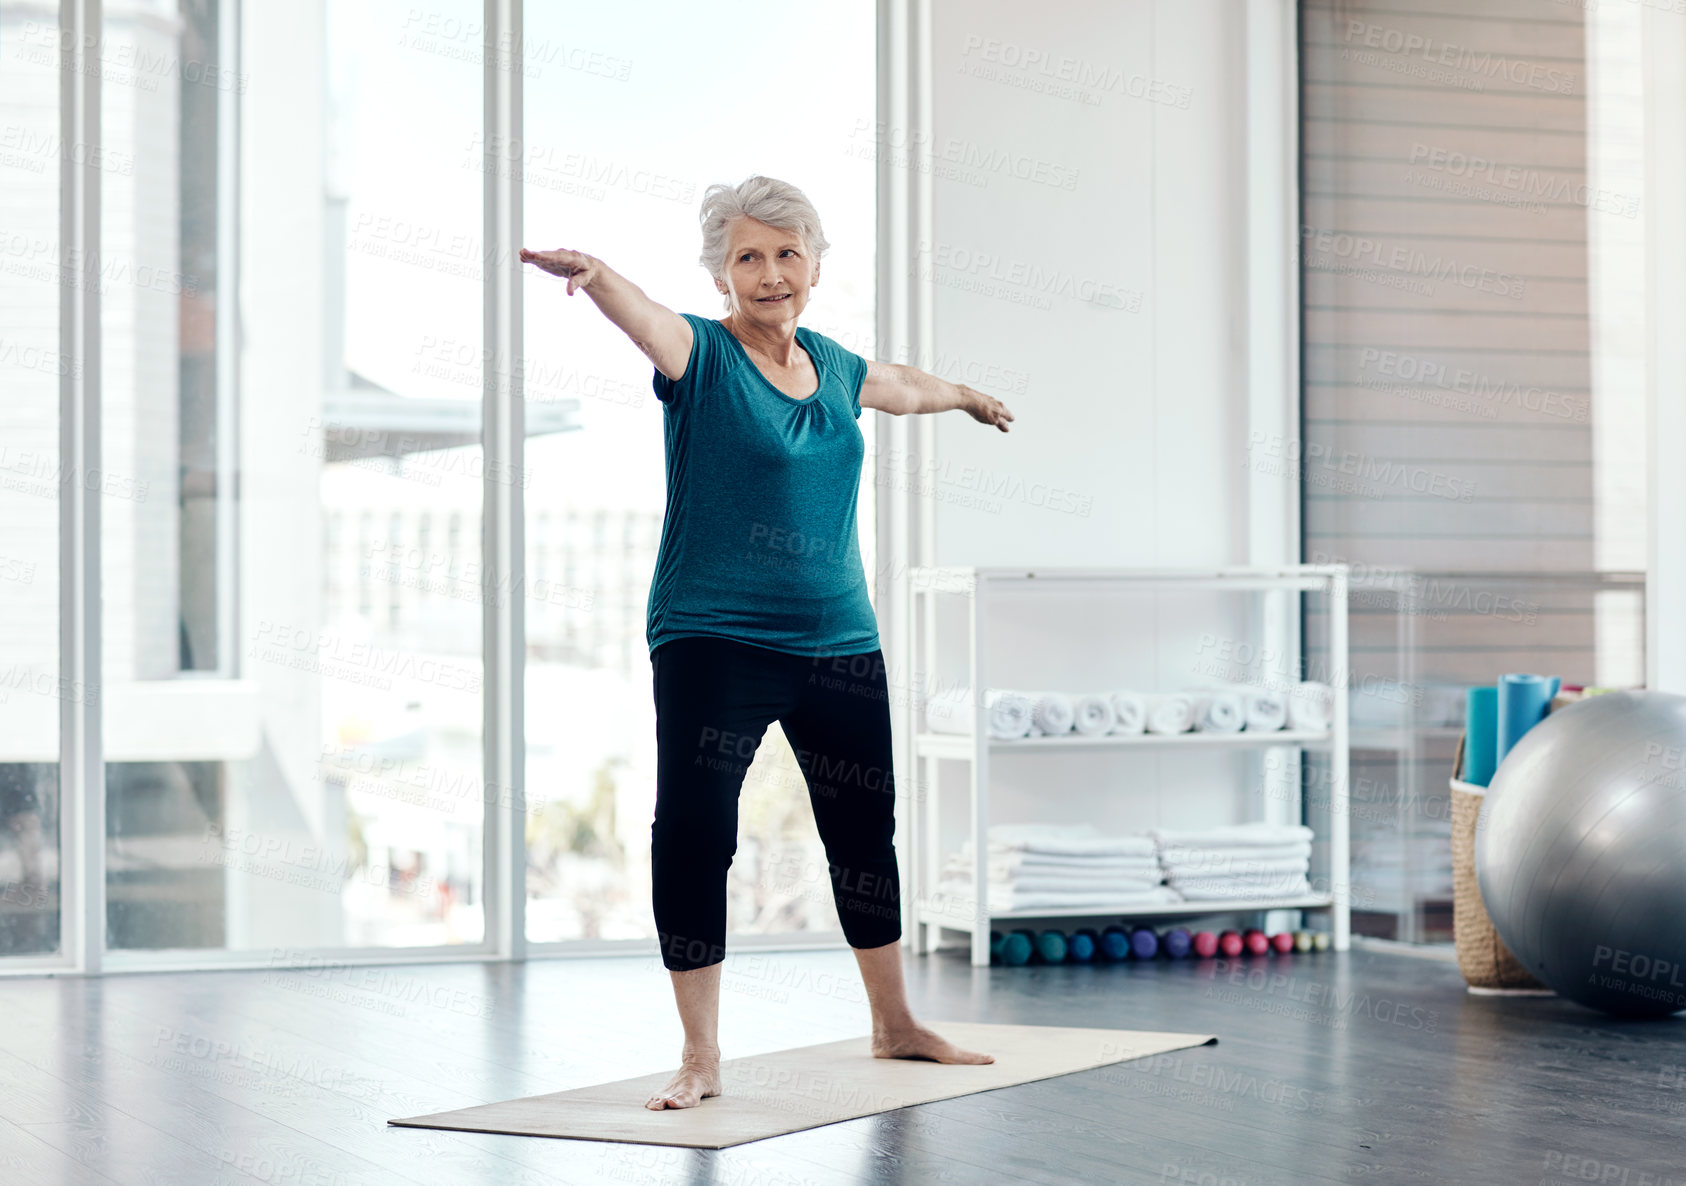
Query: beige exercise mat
point(788, 1090)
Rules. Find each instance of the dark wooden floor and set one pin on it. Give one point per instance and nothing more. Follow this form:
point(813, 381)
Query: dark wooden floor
point(1364, 1067)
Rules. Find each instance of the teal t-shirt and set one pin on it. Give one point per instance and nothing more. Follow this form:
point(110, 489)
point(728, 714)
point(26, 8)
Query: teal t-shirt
point(759, 541)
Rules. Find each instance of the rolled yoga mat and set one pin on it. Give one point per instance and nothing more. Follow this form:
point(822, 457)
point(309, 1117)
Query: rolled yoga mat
point(1523, 703)
point(1481, 734)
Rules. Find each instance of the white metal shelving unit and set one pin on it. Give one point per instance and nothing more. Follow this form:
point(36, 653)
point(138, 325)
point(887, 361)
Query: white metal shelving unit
point(930, 912)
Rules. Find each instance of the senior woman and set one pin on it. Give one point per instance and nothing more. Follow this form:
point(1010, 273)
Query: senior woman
point(758, 607)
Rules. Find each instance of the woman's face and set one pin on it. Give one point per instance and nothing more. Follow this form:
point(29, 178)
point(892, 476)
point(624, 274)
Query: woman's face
point(768, 273)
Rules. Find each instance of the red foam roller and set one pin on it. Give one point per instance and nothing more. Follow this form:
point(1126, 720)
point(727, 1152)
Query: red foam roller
point(1229, 943)
point(1205, 945)
point(1283, 941)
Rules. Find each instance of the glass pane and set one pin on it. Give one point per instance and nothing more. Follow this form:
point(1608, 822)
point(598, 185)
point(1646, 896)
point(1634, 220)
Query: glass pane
point(31, 265)
point(1474, 415)
point(294, 742)
point(618, 152)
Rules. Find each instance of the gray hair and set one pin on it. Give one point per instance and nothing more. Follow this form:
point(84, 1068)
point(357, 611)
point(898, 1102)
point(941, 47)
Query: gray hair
point(765, 199)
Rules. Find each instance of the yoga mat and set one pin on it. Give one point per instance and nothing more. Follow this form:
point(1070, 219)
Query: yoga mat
point(1523, 702)
point(1481, 735)
point(768, 1095)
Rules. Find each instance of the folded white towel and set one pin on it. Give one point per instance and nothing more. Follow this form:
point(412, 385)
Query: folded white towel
point(1218, 712)
point(1064, 839)
point(960, 866)
point(1242, 889)
point(1112, 886)
point(1003, 867)
point(1170, 713)
point(1311, 707)
point(1227, 865)
point(1055, 862)
point(1130, 709)
point(1232, 835)
point(1180, 858)
point(951, 712)
point(1003, 899)
point(1093, 714)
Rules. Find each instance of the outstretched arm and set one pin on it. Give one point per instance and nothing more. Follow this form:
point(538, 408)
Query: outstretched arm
point(663, 335)
point(903, 391)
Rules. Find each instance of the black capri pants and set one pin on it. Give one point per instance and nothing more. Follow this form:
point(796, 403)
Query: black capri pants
point(715, 698)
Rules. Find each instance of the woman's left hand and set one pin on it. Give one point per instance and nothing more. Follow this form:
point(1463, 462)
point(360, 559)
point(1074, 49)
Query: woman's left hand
point(986, 409)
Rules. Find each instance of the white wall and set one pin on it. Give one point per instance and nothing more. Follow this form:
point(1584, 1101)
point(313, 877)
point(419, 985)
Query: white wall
point(1139, 413)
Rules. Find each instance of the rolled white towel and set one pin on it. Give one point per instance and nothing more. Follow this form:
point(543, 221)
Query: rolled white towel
point(1218, 712)
point(1172, 713)
point(1311, 707)
point(1052, 712)
point(1262, 711)
point(1130, 711)
point(951, 712)
point(1266, 712)
point(1093, 715)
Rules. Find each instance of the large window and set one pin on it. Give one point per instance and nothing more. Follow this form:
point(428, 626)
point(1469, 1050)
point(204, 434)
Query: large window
point(293, 258)
point(31, 365)
point(292, 618)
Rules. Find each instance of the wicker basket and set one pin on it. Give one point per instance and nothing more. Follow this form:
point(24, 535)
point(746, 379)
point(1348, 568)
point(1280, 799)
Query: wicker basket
point(1484, 960)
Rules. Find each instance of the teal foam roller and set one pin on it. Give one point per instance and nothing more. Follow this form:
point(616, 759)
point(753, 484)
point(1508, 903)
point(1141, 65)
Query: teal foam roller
point(1051, 946)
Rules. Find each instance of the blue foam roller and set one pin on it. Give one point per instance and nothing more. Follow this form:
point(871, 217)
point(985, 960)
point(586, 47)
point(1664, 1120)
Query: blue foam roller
point(1081, 949)
point(1051, 946)
point(1115, 943)
point(1524, 701)
point(1177, 943)
point(1481, 735)
point(1144, 944)
point(1016, 949)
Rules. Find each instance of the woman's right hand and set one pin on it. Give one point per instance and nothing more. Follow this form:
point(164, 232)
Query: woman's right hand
point(579, 268)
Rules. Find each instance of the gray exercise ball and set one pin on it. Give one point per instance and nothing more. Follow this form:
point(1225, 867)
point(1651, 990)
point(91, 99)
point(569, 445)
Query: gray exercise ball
point(1580, 852)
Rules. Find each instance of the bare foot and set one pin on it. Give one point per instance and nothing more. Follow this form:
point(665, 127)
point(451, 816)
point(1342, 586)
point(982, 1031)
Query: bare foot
point(919, 1042)
point(696, 1079)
